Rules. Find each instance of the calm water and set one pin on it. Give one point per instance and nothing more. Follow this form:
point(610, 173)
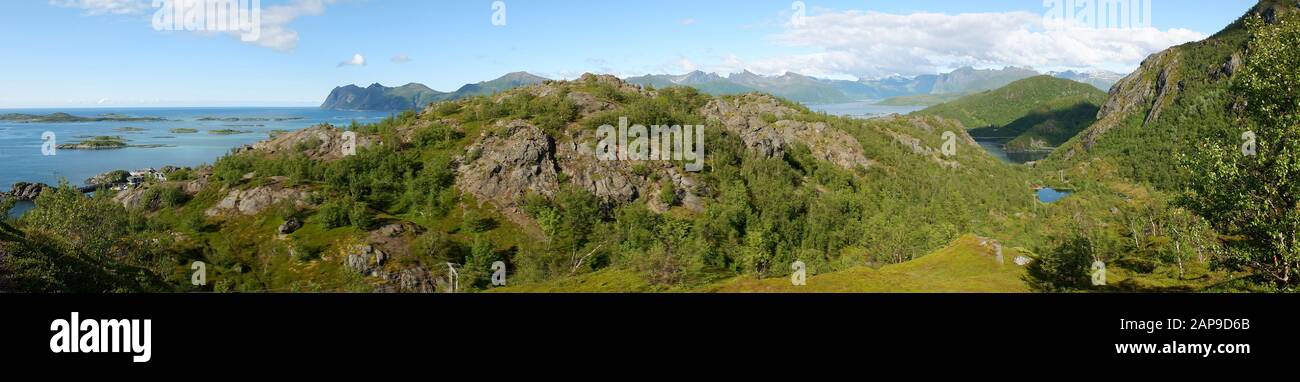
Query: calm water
point(863, 109)
point(20, 143)
point(1051, 195)
point(869, 109)
point(994, 147)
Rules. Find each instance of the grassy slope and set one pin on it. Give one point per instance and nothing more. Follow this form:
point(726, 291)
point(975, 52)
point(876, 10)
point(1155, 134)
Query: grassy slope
point(1000, 107)
point(964, 266)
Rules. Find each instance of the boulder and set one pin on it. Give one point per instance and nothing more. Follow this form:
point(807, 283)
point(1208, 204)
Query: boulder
point(365, 259)
point(289, 226)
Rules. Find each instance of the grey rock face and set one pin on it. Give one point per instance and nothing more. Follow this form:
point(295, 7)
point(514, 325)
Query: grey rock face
point(325, 143)
point(505, 166)
point(27, 191)
point(253, 201)
point(747, 116)
point(365, 259)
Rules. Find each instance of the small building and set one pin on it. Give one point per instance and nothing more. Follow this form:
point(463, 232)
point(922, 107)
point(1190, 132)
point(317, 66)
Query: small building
point(140, 176)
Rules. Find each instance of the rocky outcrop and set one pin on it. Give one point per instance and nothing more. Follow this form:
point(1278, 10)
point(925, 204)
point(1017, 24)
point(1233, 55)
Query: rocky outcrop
point(27, 191)
point(622, 182)
point(1141, 90)
point(108, 178)
point(927, 125)
point(371, 261)
point(323, 143)
point(365, 259)
point(508, 163)
point(254, 201)
point(131, 198)
point(767, 128)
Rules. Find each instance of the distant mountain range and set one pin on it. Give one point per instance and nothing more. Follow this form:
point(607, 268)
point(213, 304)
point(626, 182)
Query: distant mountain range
point(897, 90)
point(1101, 79)
point(416, 96)
point(924, 89)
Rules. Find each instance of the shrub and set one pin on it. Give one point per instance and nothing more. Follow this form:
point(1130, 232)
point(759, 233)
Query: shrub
point(359, 216)
point(1065, 268)
point(667, 193)
point(334, 214)
point(474, 222)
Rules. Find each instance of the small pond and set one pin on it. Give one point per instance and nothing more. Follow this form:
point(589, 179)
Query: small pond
point(1051, 195)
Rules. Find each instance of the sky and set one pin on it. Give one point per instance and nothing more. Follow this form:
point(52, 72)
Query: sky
point(119, 53)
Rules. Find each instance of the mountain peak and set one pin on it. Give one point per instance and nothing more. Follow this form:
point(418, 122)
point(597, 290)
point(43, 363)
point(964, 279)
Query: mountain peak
point(415, 95)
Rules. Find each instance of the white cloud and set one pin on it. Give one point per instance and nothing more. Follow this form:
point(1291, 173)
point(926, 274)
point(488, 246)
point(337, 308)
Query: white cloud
point(688, 21)
point(401, 58)
point(274, 31)
point(874, 44)
point(100, 7)
point(686, 64)
point(357, 60)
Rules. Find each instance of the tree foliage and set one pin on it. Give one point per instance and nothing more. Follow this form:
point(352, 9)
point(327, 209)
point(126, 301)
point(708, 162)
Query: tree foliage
point(1254, 198)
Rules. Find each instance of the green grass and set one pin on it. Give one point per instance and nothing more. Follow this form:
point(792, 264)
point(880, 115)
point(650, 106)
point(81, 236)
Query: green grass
point(602, 281)
point(966, 266)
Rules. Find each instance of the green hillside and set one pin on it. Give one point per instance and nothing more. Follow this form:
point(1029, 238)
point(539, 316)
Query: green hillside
point(433, 198)
point(1175, 100)
point(1001, 107)
point(838, 193)
point(1031, 115)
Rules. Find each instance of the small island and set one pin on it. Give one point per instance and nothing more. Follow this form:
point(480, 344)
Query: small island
point(249, 119)
point(129, 129)
point(96, 143)
point(103, 143)
point(228, 131)
point(68, 118)
point(183, 131)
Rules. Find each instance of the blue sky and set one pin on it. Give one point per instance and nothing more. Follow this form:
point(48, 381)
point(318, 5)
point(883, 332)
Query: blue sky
point(72, 53)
